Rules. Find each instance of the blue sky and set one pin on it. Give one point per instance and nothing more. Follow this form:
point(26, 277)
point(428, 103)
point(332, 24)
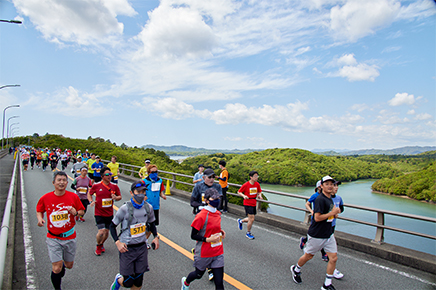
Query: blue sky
point(222, 74)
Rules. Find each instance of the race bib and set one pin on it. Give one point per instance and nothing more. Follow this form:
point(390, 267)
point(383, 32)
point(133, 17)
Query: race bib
point(82, 190)
point(106, 202)
point(213, 245)
point(202, 197)
point(137, 230)
point(330, 219)
point(115, 177)
point(155, 186)
point(59, 218)
point(98, 170)
point(253, 191)
point(78, 171)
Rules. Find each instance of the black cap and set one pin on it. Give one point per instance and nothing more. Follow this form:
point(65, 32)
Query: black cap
point(208, 172)
point(138, 185)
point(200, 165)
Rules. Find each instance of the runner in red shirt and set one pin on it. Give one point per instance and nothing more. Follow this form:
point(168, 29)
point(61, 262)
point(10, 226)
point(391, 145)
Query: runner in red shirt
point(249, 191)
point(209, 250)
point(61, 207)
point(105, 194)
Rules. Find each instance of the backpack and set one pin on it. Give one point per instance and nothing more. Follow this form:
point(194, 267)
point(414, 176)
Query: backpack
point(130, 208)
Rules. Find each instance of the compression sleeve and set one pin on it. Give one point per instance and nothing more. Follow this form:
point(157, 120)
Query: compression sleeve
point(341, 207)
point(113, 230)
point(195, 236)
point(153, 229)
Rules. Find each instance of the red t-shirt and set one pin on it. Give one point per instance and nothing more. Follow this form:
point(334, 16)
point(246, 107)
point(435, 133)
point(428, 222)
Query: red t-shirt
point(59, 220)
point(103, 198)
point(213, 226)
point(250, 190)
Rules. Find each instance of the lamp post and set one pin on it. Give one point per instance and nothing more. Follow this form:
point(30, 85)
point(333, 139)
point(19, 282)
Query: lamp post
point(4, 111)
point(11, 21)
point(8, 134)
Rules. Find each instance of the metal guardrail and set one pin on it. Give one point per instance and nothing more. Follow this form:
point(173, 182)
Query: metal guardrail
point(5, 223)
point(380, 225)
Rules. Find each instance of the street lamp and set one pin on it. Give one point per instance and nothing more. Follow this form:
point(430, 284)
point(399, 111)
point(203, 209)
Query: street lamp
point(7, 128)
point(4, 111)
point(11, 21)
point(8, 86)
point(10, 130)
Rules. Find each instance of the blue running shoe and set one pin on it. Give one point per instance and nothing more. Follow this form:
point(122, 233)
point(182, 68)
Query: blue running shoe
point(249, 236)
point(115, 285)
point(302, 242)
point(240, 224)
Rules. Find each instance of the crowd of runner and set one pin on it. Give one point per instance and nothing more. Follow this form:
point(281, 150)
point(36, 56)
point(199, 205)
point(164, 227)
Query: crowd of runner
point(95, 185)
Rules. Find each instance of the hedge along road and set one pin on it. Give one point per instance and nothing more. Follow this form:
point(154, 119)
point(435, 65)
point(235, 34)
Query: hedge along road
point(262, 263)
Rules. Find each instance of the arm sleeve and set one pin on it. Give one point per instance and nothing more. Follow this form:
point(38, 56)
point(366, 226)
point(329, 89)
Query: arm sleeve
point(153, 229)
point(113, 230)
point(195, 236)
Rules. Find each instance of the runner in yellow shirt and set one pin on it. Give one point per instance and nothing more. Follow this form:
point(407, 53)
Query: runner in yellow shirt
point(114, 167)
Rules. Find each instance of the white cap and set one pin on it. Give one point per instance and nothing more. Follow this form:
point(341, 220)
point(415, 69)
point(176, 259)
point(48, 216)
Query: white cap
point(326, 178)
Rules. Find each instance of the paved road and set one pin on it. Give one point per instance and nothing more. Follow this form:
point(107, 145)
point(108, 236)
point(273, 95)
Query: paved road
point(262, 263)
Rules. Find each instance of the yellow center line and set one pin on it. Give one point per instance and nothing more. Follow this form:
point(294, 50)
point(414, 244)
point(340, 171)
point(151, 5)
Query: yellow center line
point(229, 279)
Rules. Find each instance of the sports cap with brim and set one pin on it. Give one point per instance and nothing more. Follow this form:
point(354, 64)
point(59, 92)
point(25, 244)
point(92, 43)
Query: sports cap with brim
point(147, 161)
point(211, 193)
point(327, 178)
point(338, 182)
point(208, 172)
point(200, 165)
point(79, 157)
point(138, 185)
point(318, 183)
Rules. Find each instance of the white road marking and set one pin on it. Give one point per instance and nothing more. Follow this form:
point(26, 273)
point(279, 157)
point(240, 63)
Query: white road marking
point(27, 237)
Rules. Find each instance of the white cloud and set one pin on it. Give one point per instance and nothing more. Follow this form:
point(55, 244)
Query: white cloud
point(402, 99)
point(411, 112)
point(90, 22)
point(233, 139)
point(423, 116)
point(356, 19)
point(359, 107)
point(360, 72)
point(69, 102)
point(350, 69)
point(391, 49)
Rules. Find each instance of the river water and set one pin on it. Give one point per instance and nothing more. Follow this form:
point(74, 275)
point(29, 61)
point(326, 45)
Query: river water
point(359, 193)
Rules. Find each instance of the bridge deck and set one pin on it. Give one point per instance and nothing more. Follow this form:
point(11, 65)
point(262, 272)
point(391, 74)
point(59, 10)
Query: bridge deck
point(262, 263)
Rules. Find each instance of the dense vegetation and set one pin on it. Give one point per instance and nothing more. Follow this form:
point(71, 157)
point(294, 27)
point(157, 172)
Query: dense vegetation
point(275, 166)
point(419, 185)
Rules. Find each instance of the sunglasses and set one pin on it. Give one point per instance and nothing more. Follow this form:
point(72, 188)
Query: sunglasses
point(108, 174)
point(140, 184)
point(212, 176)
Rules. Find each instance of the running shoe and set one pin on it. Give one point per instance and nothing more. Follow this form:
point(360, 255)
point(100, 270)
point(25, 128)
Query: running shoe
point(81, 219)
point(76, 218)
point(325, 258)
point(98, 250)
point(209, 271)
point(115, 285)
point(337, 274)
point(295, 276)
point(184, 287)
point(329, 287)
point(249, 236)
point(240, 224)
point(148, 246)
point(102, 249)
point(193, 251)
point(302, 242)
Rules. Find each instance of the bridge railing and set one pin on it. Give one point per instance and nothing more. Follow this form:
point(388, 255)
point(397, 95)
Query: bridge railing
point(131, 170)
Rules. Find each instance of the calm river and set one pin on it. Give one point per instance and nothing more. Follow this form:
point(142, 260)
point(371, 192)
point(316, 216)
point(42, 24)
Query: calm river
point(359, 193)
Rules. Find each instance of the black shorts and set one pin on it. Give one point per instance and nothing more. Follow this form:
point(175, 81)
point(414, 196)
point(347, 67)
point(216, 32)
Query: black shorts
point(250, 209)
point(103, 222)
point(91, 175)
point(156, 216)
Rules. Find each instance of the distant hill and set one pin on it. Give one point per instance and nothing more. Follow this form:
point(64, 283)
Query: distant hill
point(190, 151)
point(408, 150)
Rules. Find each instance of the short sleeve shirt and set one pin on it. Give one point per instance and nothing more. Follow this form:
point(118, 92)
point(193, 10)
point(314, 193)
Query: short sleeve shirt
point(59, 220)
point(135, 234)
point(208, 223)
point(103, 198)
point(322, 229)
point(250, 190)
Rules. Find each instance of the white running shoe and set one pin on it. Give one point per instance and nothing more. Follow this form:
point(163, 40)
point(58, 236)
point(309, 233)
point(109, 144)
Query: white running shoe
point(337, 274)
